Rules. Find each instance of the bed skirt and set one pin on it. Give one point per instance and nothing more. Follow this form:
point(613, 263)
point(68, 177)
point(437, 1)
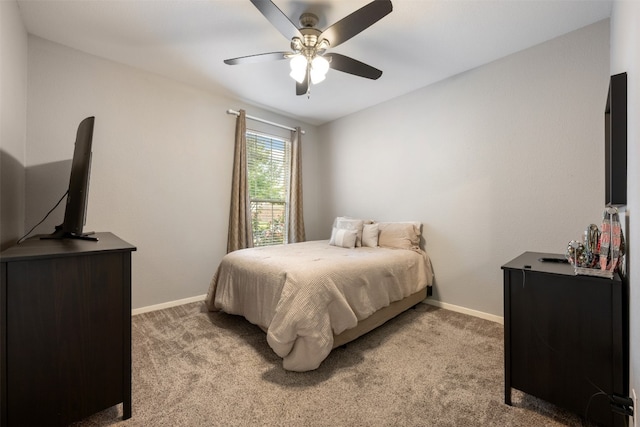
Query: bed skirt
point(379, 317)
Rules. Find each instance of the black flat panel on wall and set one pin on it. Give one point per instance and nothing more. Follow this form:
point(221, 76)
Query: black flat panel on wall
point(615, 119)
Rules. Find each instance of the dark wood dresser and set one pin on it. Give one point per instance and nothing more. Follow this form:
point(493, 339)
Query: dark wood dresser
point(565, 336)
point(65, 330)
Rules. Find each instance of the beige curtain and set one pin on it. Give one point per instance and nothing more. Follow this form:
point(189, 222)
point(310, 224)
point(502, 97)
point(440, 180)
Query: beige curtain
point(240, 235)
point(296, 220)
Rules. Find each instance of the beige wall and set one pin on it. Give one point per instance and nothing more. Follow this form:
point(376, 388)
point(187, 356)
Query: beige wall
point(625, 40)
point(499, 160)
point(13, 117)
point(162, 157)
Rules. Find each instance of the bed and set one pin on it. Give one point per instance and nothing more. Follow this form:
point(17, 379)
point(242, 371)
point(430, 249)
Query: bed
point(311, 297)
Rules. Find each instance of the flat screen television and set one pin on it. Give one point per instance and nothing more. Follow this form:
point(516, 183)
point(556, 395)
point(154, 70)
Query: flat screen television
point(77, 196)
point(615, 136)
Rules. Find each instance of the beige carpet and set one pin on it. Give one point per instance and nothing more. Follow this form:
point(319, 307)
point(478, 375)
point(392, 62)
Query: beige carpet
point(427, 367)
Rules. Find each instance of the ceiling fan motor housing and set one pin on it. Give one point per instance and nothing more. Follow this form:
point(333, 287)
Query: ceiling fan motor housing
point(308, 20)
point(309, 45)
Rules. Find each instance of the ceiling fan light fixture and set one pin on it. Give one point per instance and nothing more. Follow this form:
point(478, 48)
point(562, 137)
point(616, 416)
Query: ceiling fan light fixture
point(319, 68)
point(296, 45)
point(322, 46)
point(316, 77)
point(298, 66)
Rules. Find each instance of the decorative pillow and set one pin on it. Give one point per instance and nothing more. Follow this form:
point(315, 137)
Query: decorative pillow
point(370, 235)
point(347, 223)
point(401, 235)
point(343, 238)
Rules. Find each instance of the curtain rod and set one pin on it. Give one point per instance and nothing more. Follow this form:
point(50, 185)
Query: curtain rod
point(257, 119)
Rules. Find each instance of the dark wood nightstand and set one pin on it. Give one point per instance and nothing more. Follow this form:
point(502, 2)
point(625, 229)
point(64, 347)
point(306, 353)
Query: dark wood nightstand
point(65, 330)
point(565, 336)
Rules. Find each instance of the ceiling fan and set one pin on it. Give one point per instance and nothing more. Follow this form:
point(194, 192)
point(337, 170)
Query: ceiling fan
point(309, 59)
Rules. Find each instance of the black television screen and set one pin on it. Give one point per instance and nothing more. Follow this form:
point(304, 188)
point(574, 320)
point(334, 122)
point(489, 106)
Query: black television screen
point(615, 137)
point(78, 193)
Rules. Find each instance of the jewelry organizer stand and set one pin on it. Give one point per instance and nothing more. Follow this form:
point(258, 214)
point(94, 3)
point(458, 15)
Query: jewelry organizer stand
point(585, 271)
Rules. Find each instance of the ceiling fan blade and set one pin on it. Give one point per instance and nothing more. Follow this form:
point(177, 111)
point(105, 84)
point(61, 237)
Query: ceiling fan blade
point(277, 18)
point(352, 66)
point(303, 88)
point(356, 22)
point(261, 57)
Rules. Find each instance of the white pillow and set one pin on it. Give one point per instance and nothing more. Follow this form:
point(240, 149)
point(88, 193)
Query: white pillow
point(343, 238)
point(400, 235)
point(370, 235)
point(347, 223)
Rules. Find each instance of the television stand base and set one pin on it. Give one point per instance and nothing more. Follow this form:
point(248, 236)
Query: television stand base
point(59, 234)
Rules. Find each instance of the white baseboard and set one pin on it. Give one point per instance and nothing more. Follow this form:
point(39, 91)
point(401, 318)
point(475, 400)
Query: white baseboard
point(435, 303)
point(464, 310)
point(167, 304)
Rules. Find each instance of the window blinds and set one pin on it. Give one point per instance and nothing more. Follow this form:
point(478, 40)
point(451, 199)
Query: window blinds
point(268, 160)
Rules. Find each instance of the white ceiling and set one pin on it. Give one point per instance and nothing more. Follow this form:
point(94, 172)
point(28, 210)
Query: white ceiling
point(419, 43)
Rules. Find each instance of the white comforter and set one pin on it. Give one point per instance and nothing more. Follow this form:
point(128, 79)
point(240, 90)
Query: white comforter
point(304, 293)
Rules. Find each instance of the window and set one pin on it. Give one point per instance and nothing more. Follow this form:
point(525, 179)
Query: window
point(268, 160)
